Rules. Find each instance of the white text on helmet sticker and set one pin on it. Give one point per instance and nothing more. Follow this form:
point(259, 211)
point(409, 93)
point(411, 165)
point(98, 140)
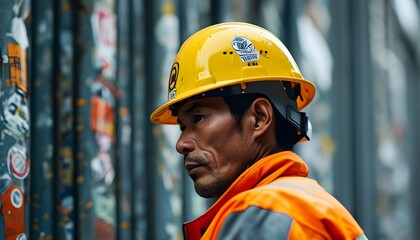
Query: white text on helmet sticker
point(245, 49)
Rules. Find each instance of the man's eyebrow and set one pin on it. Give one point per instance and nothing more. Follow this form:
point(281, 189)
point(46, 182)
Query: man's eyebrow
point(190, 109)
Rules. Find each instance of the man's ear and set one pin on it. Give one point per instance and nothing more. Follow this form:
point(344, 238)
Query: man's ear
point(262, 113)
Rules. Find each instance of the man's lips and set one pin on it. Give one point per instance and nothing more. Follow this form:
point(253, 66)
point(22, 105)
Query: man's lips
point(192, 163)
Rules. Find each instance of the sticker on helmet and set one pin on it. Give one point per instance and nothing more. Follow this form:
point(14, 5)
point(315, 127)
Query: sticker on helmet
point(173, 77)
point(245, 49)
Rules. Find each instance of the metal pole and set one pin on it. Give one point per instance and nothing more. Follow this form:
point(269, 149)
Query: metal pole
point(364, 147)
point(124, 143)
point(41, 217)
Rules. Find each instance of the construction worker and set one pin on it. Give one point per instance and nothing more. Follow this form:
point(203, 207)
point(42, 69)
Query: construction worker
point(237, 95)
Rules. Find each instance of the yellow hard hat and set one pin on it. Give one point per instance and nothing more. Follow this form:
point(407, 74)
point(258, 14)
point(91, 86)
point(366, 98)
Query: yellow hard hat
point(231, 54)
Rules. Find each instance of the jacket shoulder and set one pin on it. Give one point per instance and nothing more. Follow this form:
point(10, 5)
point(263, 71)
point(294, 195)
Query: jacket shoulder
point(311, 208)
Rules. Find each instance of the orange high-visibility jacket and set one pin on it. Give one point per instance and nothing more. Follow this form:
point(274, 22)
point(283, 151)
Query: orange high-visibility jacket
point(274, 199)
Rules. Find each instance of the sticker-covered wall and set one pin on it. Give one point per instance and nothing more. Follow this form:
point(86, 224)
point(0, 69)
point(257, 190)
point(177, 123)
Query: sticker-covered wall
point(14, 118)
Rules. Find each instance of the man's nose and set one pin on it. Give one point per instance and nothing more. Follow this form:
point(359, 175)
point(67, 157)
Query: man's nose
point(185, 144)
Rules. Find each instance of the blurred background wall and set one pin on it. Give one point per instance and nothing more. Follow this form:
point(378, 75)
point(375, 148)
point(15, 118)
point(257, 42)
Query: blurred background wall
point(79, 158)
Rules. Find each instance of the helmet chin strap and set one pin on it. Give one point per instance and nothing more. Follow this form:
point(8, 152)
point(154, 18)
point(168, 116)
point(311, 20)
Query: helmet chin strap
point(300, 121)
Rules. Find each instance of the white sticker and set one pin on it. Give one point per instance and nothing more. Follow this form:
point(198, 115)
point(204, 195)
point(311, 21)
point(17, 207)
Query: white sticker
point(16, 198)
point(172, 94)
point(18, 32)
point(17, 162)
point(21, 236)
point(245, 49)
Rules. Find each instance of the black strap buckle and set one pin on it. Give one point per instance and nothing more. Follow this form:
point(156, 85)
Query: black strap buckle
point(300, 121)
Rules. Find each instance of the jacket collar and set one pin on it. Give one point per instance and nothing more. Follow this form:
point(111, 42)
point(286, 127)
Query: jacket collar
point(260, 173)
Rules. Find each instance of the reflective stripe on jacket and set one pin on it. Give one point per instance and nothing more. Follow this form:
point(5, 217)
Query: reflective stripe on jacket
point(274, 199)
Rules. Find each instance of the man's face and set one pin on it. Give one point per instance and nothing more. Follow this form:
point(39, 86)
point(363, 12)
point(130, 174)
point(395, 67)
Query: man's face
point(216, 149)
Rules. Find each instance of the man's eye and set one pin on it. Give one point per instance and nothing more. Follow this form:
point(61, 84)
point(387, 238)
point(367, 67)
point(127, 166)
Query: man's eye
point(198, 118)
point(182, 128)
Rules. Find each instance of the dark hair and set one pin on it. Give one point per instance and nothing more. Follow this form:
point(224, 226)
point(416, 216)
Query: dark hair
point(286, 134)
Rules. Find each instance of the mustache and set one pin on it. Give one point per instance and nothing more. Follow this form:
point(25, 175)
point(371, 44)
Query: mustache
point(197, 160)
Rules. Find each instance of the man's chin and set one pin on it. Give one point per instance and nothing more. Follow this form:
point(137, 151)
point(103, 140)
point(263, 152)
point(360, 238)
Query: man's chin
point(212, 190)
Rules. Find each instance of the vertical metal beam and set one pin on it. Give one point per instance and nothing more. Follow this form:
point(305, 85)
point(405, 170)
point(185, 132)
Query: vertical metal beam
point(414, 138)
point(216, 10)
point(353, 124)
point(150, 145)
point(290, 39)
point(84, 148)
point(124, 141)
point(343, 125)
point(137, 42)
point(219, 11)
point(97, 94)
point(363, 142)
point(63, 92)
point(253, 12)
point(41, 217)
